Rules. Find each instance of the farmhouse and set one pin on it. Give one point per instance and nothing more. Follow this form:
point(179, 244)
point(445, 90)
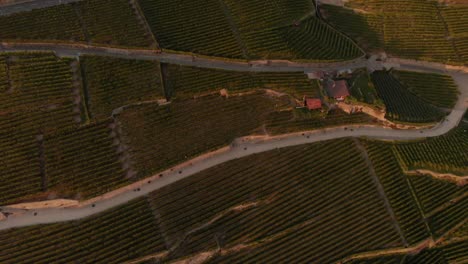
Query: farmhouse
point(337, 89)
point(312, 103)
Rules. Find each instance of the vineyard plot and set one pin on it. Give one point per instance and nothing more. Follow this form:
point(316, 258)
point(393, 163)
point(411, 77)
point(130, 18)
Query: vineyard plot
point(437, 89)
point(161, 136)
point(398, 191)
point(183, 81)
point(247, 30)
point(300, 204)
point(92, 21)
point(414, 29)
point(35, 99)
point(84, 162)
point(112, 83)
point(447, 153)
point(115, 236)
point(433, 193)
point(401, 104)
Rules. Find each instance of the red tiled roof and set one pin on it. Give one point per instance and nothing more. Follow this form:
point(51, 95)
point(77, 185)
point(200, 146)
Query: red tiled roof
point(338, 89)
point(313, 103)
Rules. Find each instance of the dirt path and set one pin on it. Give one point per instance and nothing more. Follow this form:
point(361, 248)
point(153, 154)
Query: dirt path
point(458, 180)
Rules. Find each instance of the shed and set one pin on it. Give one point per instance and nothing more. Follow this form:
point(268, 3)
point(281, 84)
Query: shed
point(312, 103)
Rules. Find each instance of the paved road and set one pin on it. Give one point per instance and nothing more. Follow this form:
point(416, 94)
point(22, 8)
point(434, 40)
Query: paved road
point(240, 148)
point(30, 5)
point(73, 50)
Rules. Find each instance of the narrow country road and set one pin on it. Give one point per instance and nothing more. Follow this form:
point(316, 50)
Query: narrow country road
point(28, 5)
point(241, 147)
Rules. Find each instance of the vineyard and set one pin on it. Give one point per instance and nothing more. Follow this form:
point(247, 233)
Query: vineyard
point(301, 204)
point(414, 29)
point(444, 220)
point(85, 21)
point(296, 120)
point(183, 81)
point(247, 30)
point(112, 83)
point(191, 26)
point(437, 89)
point(365, 28)
point(36, 99)
point(398, 191)
point(401, 104)
point(53, 23)
point(446, 153)
point(433, 193)
point(115, 236)
point(456, 18)
point(84, 161)
point(294, 43)
point(162, 136)
point(101, 25)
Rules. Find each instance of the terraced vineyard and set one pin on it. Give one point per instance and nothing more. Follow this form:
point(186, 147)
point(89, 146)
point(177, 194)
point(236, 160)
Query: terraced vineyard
point(401, 104)
point(35, 99)
point(433, 193)
point(83, 161)
point(161, 136)
point(85, 21)
point(396, 188)
point(413, 29)
point(456, 18)
point(115, 236)
point(191, 26)
point(366, 28)
point(437, 89)
point(182, 81)
point(53, 23)
point(453, 214)
point(247, 30)
point(112, 83)
point(296, 120)
point(101, 25)
point(446, 153)
point(320, 198)
point(294, 43)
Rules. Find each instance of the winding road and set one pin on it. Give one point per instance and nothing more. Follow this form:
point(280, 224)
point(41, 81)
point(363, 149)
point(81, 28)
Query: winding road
point(241, 147)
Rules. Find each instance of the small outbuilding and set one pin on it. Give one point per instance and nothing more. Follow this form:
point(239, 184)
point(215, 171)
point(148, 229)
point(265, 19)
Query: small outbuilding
point(337, 89)
point(312, 103)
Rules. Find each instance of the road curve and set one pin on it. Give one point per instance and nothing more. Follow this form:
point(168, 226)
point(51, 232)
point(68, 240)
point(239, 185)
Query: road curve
point(240, 148)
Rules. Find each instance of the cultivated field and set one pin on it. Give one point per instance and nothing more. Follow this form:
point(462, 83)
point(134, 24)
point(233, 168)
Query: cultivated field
point(247, 30)
point(182, 81)
point(398, 191)
point(86, 21)
point(296, 120)
point(84, 162)
point(446, 153)
point(301, 204)
point(36, 99)
point(123, 233)
point(112, 83)
point(433, 193)
point(437, 89)
point(401, 104)
point(161, 136)
point(415, 29)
